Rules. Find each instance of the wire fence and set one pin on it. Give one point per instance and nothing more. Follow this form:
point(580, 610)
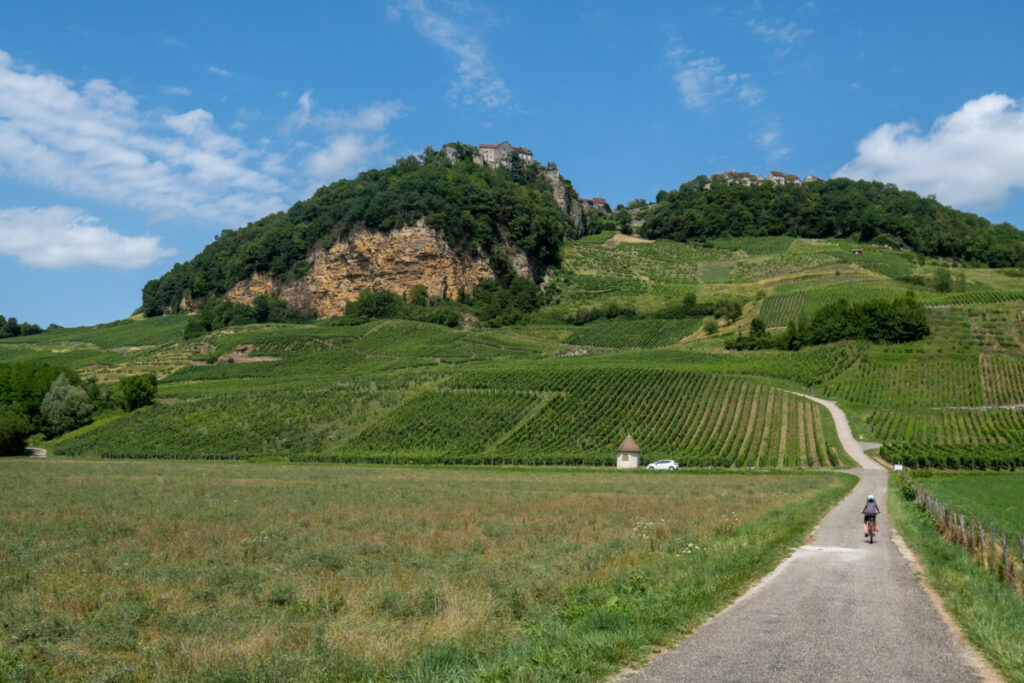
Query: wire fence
point(993, 548)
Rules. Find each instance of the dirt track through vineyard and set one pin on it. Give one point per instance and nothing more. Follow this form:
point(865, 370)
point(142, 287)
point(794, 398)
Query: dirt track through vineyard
point(838, 609)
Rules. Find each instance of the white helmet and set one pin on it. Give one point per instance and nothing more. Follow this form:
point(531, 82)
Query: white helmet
point(871, 498)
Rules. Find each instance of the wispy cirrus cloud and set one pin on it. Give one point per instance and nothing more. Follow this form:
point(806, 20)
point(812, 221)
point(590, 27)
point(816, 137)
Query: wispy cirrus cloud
point(769, 138)
point(704, 80)
point(786, 35)
point(216, 70)
point(175, 90)
point(478, 80)
point(62, 237)
point(973, 157)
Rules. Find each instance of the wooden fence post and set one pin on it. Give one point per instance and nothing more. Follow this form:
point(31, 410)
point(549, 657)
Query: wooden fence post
point(981, 535)
point(1006, 570)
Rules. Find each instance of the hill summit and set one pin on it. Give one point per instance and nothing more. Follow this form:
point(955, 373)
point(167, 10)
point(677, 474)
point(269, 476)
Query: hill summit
point(441, 220)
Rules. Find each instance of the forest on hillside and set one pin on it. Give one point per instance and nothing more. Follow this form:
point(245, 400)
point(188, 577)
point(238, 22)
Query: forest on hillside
point(477, 208)
point(832, 208)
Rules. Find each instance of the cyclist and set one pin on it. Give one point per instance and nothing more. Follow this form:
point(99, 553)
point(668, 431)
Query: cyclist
point(870, 513)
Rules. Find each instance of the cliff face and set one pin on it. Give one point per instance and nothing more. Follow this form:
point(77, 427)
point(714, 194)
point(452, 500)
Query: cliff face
point(394, 261)
point(571, 206)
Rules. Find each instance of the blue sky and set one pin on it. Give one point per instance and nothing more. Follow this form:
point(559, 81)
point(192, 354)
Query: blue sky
point(133, 133)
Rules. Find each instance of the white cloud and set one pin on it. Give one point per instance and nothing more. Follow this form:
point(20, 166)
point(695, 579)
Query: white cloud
point(479, 82)
point(93, 141)
point(702, 81)
point(972, 157)
point(354, 141)
point(175, 90)
point(61, 237)
point(218, 71)
point(375, 117)
point(343, 156)
point(770, 138)
point(786, 35)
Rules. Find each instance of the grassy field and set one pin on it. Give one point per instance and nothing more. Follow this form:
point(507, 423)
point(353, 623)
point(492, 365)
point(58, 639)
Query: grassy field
point(213, 571)
point(989, 611)
point(994, 498)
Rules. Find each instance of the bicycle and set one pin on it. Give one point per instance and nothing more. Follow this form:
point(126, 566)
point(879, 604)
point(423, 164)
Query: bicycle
point(872, 523)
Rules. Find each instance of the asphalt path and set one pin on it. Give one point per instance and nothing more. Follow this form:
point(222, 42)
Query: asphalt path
point(838, 609)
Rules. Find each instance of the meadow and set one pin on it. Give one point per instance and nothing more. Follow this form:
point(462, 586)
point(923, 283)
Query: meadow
point(994, 498)
point(124, 570)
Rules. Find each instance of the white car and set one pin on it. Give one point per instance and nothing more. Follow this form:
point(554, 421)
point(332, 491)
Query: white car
point(663, 465)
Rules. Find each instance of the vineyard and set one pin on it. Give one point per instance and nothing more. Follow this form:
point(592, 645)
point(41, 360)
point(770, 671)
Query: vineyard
point(948, 456)
point(580, 416)
point(552, 393)
point(910, 382)
point(959, 427)
point(789, 302)
point(631, 334)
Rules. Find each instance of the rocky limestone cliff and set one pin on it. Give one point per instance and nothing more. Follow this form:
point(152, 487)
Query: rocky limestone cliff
point(572, 206)
point(394, 261)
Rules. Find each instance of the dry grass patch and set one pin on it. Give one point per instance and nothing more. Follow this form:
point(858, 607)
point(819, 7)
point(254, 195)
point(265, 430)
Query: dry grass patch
point(183, 569)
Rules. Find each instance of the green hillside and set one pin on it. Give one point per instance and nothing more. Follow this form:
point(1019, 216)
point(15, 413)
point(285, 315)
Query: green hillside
point(476, 208)
point(552, 392)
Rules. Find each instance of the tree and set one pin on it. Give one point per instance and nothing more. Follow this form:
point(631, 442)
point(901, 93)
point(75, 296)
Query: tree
point(136, 391)
point(710, 325)
point(64, 407)
point(941, 280)
point(14, 429)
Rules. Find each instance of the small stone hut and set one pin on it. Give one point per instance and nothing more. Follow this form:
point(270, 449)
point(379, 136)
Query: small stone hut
point(628, 454)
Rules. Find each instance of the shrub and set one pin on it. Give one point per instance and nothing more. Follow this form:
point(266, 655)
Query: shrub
point(136, 391)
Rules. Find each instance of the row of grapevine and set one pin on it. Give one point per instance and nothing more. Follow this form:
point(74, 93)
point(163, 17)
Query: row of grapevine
point(911, 383)
point(693, 417)
point(984, 296)
point(1002, 379)
point(781, 307)
point(778, 309)
point(234, 425)
point(948, 426)
point(780, 265)
point(625, 334)
point(460, 421)
point(951, 456)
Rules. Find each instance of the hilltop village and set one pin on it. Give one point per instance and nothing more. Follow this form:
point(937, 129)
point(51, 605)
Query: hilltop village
point(749, 179)
point(500, 154)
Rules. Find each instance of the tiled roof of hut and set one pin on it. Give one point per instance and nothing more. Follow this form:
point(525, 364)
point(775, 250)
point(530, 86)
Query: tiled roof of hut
point(628, 446)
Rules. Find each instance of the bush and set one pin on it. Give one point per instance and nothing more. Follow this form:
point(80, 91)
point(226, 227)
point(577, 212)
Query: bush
point(710, 325)
point(14, 429)
point(136, 391)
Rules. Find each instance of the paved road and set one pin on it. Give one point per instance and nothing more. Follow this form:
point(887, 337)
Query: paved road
point(819, 618)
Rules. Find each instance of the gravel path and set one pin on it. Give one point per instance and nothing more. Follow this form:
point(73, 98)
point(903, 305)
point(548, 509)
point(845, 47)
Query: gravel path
point(838, 609)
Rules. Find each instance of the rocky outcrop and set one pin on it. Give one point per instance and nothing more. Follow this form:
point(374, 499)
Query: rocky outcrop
point(567, 203)
point(395, 261)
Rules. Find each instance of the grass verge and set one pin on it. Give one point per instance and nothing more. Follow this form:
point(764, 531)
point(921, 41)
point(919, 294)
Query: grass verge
point(990, 613)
